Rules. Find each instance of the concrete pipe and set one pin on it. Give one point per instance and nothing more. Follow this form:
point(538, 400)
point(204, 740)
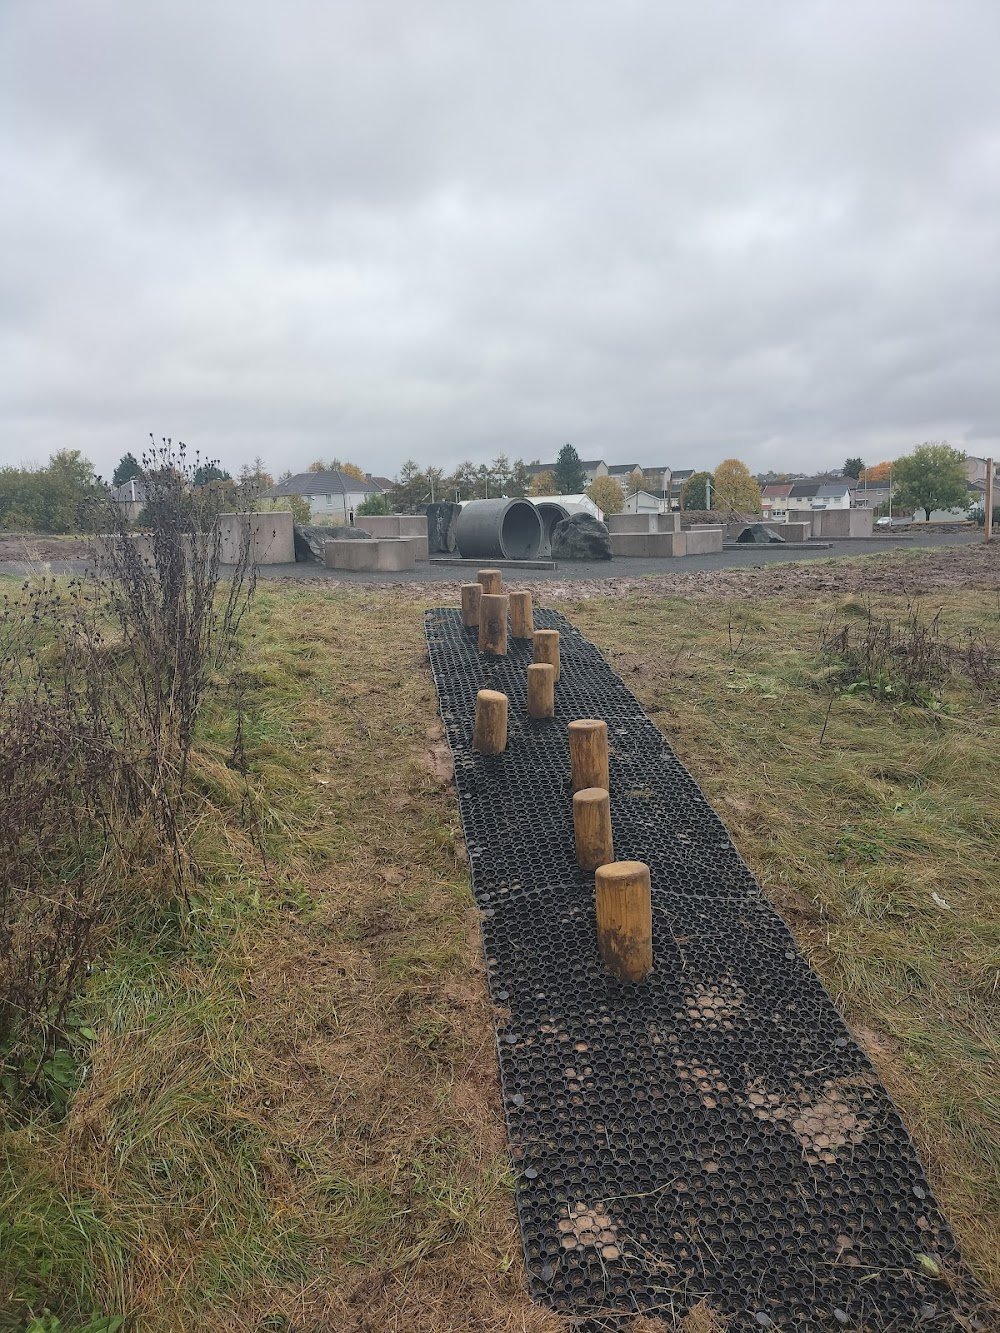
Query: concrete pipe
point(550, 513)
point(499, 530)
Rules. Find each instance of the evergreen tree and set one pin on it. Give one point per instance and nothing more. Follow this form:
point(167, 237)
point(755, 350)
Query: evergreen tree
point(127, 468)
point(569, 474)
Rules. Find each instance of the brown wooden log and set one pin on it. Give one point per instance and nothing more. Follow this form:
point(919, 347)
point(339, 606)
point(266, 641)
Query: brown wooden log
point(624, 918)
point(471, 593)
point(541, 690)
point(588, 754)
point(522, 620)
point(545, 643)
point(491, 580)
point(592, 828)
point(493, 623)
point(489, 734)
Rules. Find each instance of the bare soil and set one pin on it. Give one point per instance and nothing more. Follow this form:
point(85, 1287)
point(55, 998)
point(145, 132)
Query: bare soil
point(31, 546)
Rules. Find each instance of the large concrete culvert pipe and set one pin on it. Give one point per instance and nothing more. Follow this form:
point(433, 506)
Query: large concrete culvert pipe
point(550, 513)
point(499, 530)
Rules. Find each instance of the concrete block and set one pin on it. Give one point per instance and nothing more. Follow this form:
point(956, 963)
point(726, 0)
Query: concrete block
point(845, 522)
point(382, 554)
point(704, 540)
point(271, 536)
point(419, 544)
point(651, 545)
point(393, 525)
point(643, 523)
point(793, 532)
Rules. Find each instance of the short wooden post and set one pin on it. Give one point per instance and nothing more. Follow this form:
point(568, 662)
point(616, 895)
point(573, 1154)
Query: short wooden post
point(489, 734)
point(493, 623)
point(545, 643)
point(988, 503)
point(588, 754)
point(541, 690)
point(471, 593)
point(592, 828)
point(522, 621)
point(624, 918)
point(491, 580)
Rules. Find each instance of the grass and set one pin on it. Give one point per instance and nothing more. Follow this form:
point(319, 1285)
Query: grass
point(289, 1117)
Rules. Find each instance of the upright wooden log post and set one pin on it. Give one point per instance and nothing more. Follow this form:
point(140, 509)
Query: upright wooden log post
point(471, 593)
point(522, 620)
point(592, 828)
point(588, 754)
point(988, 503)
point(624, 918)
point(545, 643)
point(489, 733)
point(491, 580)
point(541, 690)
point(493, 623)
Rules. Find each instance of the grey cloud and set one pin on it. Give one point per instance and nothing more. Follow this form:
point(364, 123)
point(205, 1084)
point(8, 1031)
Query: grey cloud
point(443, 230)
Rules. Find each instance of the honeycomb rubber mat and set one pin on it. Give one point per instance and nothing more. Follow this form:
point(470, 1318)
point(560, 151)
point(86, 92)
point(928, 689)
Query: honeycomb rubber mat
point(713, 1132)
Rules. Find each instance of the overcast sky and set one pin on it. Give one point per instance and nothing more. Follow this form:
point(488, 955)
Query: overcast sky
point(666, 232)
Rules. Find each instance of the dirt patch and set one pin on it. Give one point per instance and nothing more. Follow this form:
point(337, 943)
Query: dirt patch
point(822, 1122)
point(42, 549)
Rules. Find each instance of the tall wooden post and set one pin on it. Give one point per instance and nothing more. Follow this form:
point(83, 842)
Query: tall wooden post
point(588, 754)
point(592, 828)
point(489, 733)
point(493, 623)
point(988, 501)
point(545, 643)
point(624, 918)
point(541, 690)
point(471, 593)
point(491, 580)
point(522, 620)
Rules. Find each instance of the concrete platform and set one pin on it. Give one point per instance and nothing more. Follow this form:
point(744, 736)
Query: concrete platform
point(382, 554)
point(393, 525)
point(493, 564)
point(619, 523)
point(651, 545)
point(705, 540)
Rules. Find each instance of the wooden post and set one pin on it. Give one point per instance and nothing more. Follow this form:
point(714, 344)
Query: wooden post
point(592, 828)
point(988, 502)
point(522, 622)
point(489, 734)
point(546, 647)
point(588, 754)
point(471, 593)
point(491, 580)
point(624, 918)
point(541, 690)
point(493, 623)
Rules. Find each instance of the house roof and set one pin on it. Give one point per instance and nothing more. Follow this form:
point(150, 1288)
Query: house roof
point(828, 489)
point(536, 469)
point(324, 483)
point(623, 469)
point(777, 490)
point(386, 483)
point(129, 492)
point(804, 490)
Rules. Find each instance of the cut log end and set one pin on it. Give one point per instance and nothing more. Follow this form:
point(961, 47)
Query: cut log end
point(491, 580)
point(489, 734)
point(471, 593)
point(592, 828)
point(522, 620)
point(545, 647)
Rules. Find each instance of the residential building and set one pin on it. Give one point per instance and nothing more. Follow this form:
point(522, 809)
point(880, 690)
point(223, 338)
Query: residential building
point(644, 502)
point(592, 468)
point(331, 495)
point(131, 495)
point(621, 472)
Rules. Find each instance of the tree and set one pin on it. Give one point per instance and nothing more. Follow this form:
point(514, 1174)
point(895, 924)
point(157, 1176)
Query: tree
point(254, 477)
point(461, 484)
point(207, 472)
point(880, 472)
point(317, 465)
point(693, 491)
point(853, 467)
point(408, 487)
point(297, 504)
point(520, 480)
point(734, 489)
point(374, 505)
point(544, 483)
point(932, 477)
point(570, 477)
point(352, 470)
point(128, 468)
point(607, 495)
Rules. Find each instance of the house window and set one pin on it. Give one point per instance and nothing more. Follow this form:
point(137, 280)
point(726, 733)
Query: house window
point(328, 499)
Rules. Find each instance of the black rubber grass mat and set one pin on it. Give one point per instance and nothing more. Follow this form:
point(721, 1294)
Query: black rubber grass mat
point(715, 1131)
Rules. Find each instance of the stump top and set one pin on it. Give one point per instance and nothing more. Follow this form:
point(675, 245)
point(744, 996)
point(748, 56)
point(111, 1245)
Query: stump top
point(588, 795)
point(623, 870)
point(491, 697)
point(586, 724)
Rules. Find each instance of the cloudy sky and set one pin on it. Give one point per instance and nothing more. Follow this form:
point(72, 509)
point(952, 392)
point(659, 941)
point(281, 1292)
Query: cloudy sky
point(667, 232)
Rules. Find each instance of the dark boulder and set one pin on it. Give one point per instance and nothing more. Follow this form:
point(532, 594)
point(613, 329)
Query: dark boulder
point(441, 519)
point(309, 540)
point(759, 534)
point(581, 537)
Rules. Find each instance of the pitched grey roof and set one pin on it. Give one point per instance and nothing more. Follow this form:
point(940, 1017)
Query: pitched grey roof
point(324, 483)
point(623, 469)
point(536, 469)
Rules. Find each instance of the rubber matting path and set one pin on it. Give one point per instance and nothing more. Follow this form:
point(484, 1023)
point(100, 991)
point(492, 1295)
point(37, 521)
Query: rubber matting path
point(715, 1131)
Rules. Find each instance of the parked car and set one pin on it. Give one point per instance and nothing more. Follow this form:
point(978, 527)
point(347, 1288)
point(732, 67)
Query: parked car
point(897, 521)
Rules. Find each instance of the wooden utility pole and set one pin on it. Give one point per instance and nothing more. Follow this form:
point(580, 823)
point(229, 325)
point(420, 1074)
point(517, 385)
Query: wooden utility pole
point(625, 918)
point(988, 500)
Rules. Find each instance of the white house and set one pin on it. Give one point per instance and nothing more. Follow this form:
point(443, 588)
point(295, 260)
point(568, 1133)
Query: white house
point(333, 496)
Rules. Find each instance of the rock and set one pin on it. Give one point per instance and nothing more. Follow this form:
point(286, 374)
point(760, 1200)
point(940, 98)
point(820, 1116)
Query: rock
point(309, 540)
point(441, 519)
point(759, 534)
point(581, 537)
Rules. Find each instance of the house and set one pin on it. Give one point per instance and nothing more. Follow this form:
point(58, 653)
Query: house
point(644, 502)
point(975, 470)
point(331, 495)
point(131, 495)
point(678, 477)
point(774, 501)
point(621, 472)
point(592, 467)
